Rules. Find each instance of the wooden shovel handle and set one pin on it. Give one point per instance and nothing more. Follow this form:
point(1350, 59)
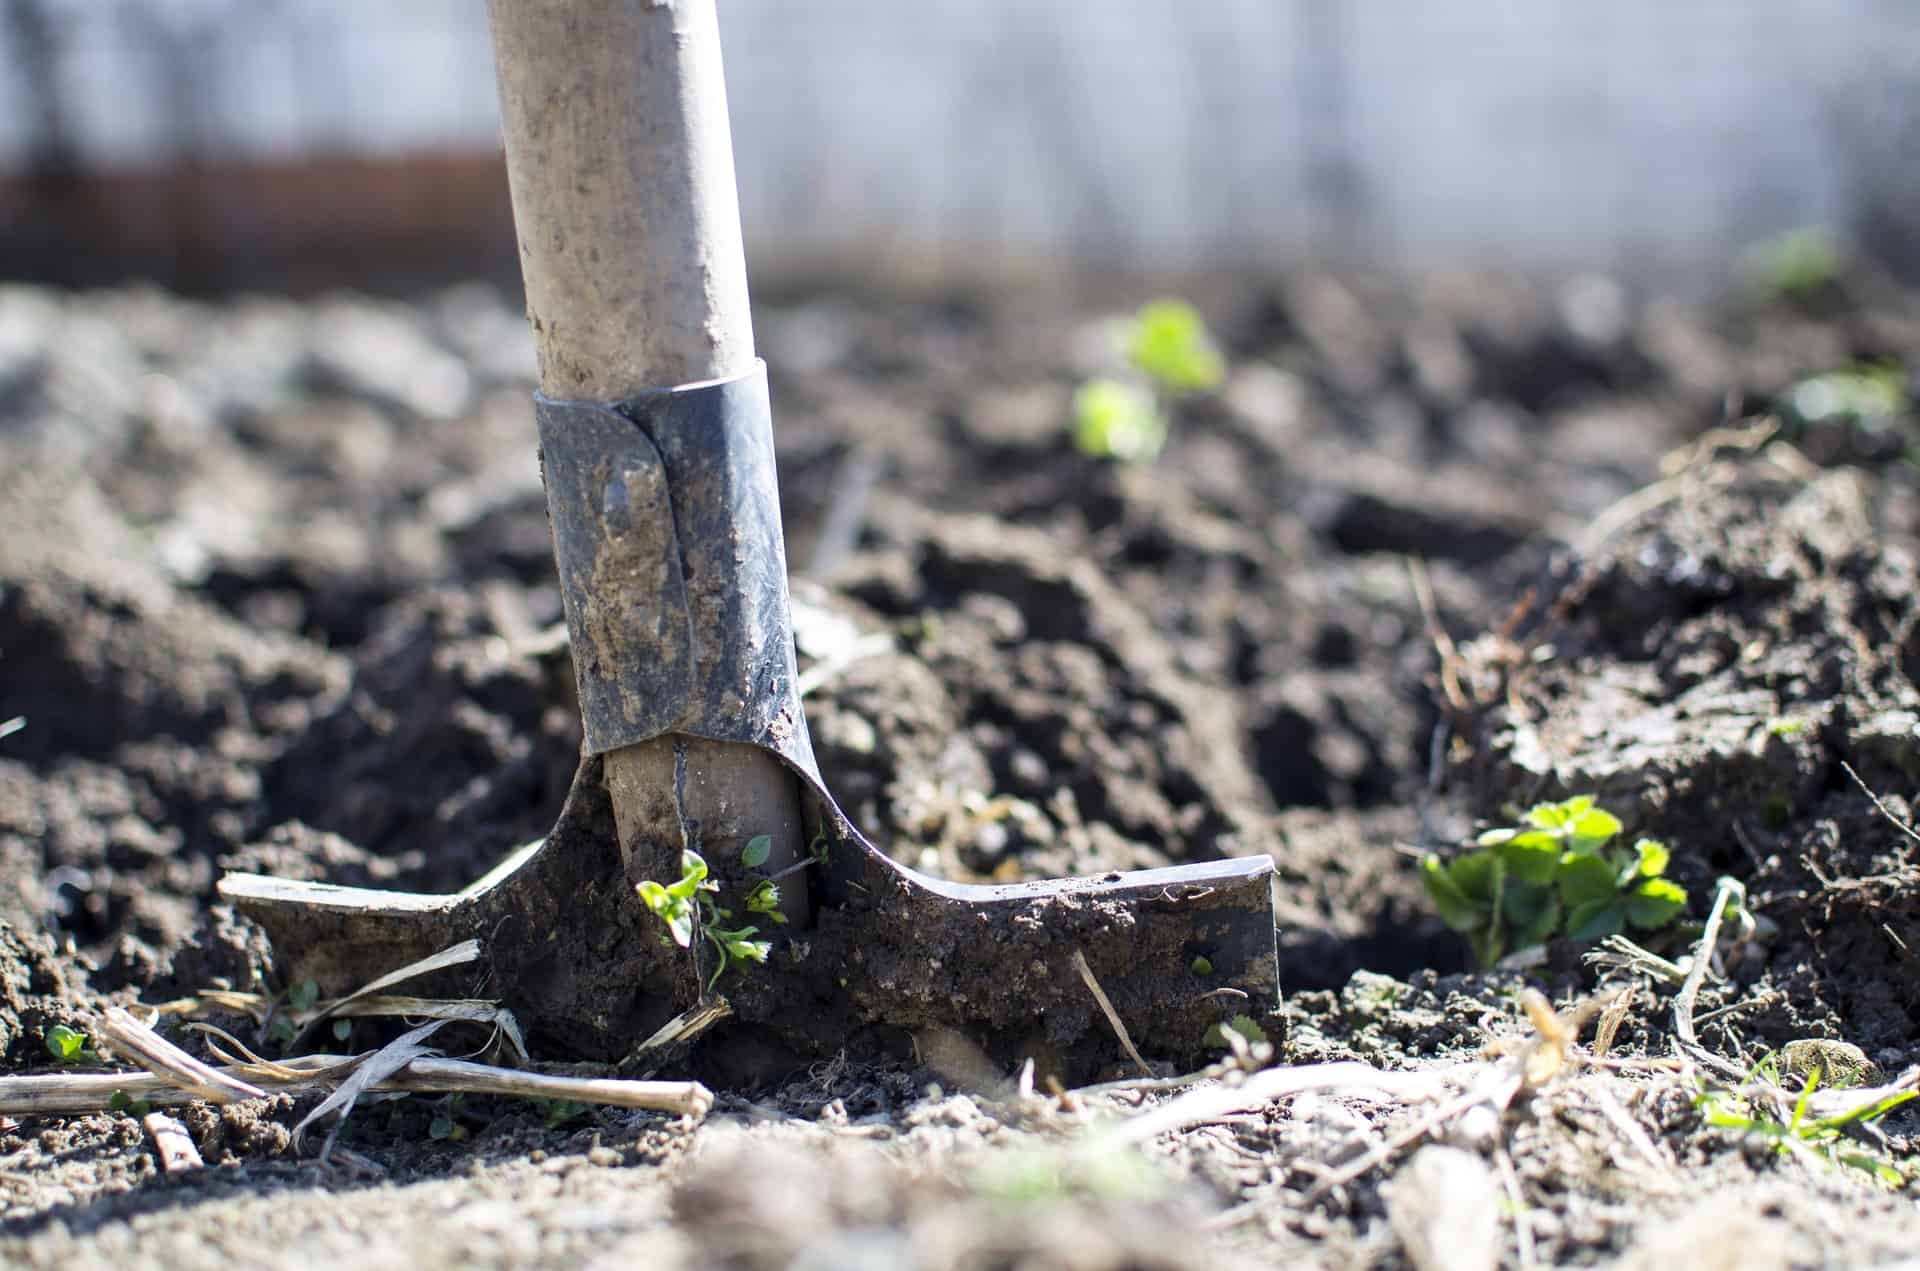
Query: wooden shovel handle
point(620, 161)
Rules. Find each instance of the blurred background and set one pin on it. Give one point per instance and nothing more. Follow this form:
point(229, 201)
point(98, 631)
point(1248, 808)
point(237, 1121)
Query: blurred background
point(294, 144)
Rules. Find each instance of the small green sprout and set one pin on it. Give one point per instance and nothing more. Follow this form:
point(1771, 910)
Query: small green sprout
point(445, 1129)
point(1786, 726)
point(765, 899)
point(70, 1046)
point(1866, 395)
point(1796, 263)
point(560, 1111)
point(342, 1029)
point(1167, 341)
point(1555, 874)
point(302, 996)
point(1116, 420)
point(754, 854)
point(121, 1101)
point(1201, 965)
point(1245, 1025)
point(1167, 348)
point(687, 905)
point(1756, 1110)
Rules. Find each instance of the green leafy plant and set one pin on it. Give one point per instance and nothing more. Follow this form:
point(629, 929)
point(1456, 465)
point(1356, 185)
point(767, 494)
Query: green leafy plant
point(1796, 263)
point(688, 907)
point(1167, 347)
point(1245, 1025)
point(560, 1111)
point(121, 1101)
point(70, 1046)
point(1866, 395)
point(1113, 419)
point(1167, 341)
point(1757, 1109)
point(1557, 873)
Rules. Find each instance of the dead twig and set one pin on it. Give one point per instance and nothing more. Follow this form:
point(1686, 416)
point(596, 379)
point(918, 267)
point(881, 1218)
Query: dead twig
point(460, 1076)
point(1443, 645)
point(64, 1094)
point(172, 1144)
point(1113, 1017)
point(1867, 790)
point(129, 1037)
point(1729, 891)
point(1611, 1018)
point(378, 1066)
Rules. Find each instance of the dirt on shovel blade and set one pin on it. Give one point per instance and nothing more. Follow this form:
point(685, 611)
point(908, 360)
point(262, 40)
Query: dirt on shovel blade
point(276, 595)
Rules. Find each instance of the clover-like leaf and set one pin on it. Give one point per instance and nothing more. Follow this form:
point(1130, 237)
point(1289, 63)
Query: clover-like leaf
point(1650, 858)
point(1594, 920)
point(1539, 926)
point(757, 850)
point(1558, 816)
point(1454, 906)
point(302, 996)
point(1583, 879)
point(1532, 856)
point(1592, 829)
point(1477, 875)
point(1655, 903)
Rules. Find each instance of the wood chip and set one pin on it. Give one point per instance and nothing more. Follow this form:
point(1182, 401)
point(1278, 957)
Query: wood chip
point(172, 1144)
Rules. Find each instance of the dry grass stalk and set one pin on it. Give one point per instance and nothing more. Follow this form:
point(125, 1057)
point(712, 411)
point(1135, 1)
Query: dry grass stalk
point(1113, 1017)
point(129, 1037)
point(68, 1094)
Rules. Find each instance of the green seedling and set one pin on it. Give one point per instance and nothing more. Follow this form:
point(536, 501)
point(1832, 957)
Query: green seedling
point(1167, 342)
point(1113, 419)
point(1557, 873)
point(121, 1101)
point(1245, 1025)
point(560, 1111)
point(1796, 263)
point(1167, 347)
point(687, 907)
point(1829, 1140)
point(70, 1046)
point(1867, 395)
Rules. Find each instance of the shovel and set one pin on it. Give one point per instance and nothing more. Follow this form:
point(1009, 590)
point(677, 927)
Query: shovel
point(700, 866)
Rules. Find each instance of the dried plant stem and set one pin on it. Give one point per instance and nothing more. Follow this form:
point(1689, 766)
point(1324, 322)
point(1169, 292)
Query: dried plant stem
point(71, 1093)
point(129, 1037)
point(1113, 1017)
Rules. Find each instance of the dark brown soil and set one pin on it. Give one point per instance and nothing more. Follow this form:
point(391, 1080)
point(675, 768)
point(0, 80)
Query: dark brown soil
point(276, 595)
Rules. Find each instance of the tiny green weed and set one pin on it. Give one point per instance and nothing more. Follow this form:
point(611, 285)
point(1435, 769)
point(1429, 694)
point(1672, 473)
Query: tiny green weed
point(1796, 263)
point(1829, 1140)
point(688, 905)
point(70, 1046)
point(1167, 342)
point(121, 1101)
point(1556, 873)
point(1169, 353)
point(1867, 395)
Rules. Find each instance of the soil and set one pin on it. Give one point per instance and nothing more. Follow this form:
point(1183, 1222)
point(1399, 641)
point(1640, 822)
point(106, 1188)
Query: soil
point(276, 595)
